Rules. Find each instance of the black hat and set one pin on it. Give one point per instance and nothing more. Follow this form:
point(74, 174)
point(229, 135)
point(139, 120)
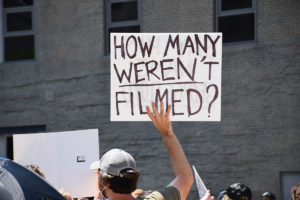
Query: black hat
point(270, 195)
point(238, 191)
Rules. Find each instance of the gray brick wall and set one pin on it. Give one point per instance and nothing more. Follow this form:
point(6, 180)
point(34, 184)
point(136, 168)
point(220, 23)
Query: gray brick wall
point(67, 88)
point(278, 19)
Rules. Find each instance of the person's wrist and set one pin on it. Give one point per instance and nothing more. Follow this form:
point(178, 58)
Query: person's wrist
point(169, 132)
point(168, 135)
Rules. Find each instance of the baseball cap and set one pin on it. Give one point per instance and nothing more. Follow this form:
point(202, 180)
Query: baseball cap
point(269, 195)
point(95, 164)
point(114, 161)
point(238, 190)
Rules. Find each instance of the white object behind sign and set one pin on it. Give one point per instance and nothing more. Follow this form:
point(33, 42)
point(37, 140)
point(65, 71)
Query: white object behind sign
point(64, 157)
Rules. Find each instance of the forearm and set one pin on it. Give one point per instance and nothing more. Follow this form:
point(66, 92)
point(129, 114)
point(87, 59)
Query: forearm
point(184, 175)
point(182, 169)
point(179, 161)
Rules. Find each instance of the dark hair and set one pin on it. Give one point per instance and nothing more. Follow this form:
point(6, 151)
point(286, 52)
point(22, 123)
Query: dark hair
point(295, 192)
point(269, 195)
point(125, 183)
point(239, 191)
point(36, 169)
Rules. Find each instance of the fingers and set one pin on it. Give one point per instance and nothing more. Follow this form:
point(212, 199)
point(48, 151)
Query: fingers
point(162, 110)
point(154, 109)
point(208, 196)
point(155, 113)
point(149, 113)
point(169, 110)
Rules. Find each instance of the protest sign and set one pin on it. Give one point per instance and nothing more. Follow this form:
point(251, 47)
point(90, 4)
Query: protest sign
point(181, 69)
point(64, 157)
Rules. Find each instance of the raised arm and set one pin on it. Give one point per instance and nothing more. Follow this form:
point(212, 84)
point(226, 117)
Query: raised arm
point(184, 175)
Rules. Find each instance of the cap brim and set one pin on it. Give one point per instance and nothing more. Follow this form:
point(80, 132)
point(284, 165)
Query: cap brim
point(95, 165)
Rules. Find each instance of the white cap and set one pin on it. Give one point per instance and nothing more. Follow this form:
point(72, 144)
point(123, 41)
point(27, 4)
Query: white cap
point(95, 165)
point(114, 161)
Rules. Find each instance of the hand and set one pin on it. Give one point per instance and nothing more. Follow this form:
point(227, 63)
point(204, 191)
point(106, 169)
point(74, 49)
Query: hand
point(65, 194)
point(207, 196)
point(182, 169)
point(161, 120)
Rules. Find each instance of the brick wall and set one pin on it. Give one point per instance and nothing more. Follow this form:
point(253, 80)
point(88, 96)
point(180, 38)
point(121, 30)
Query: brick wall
point(67, 88)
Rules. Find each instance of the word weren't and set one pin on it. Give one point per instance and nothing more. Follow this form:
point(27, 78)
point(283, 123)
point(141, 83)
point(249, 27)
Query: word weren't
point(159, 70)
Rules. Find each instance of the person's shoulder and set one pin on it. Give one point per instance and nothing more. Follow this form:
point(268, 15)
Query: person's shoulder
point(168, 193)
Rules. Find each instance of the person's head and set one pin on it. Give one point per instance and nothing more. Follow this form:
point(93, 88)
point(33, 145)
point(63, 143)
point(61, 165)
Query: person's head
point(268, 196)
point(221, 195)
point(295, 192)
point(238, 191)
point(36, 169)
point(118, 172)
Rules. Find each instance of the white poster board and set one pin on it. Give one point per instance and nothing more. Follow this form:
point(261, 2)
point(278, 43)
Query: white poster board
point(181, 69)
point(200, 185)
point(64, 157)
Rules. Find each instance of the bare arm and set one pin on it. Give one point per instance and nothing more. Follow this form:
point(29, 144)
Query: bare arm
point(184, 175)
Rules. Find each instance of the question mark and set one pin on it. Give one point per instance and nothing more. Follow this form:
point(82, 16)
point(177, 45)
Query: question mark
point(215, 97)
